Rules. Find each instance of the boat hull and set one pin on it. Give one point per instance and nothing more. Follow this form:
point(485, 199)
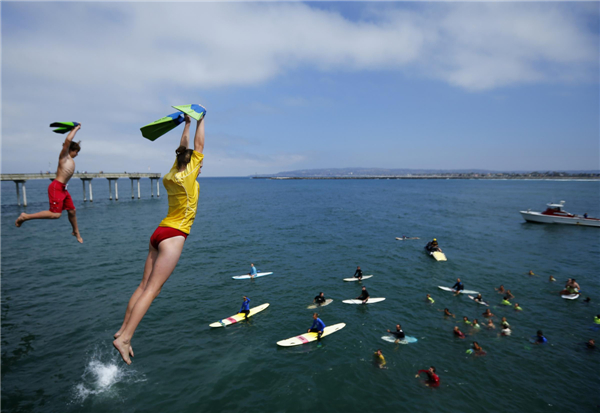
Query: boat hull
point(552, 219)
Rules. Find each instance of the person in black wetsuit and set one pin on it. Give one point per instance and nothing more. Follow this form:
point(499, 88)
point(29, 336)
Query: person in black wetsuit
point(358, 273)
point(458, 286)
point(319, 299)
point(364, 296)
point(399, 334)
point(433, 246)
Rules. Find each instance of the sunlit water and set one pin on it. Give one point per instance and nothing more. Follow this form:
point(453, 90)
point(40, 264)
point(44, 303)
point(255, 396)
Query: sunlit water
point(61, 302)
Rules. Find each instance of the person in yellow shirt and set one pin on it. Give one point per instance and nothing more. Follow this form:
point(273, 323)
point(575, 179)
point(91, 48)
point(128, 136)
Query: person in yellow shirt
point(167, 241)
point(379, 359)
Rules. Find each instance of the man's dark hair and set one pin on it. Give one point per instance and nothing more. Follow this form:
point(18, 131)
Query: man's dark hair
point(74, 146)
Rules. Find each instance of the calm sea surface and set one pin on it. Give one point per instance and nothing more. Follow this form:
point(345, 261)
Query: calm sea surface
point(61, 301)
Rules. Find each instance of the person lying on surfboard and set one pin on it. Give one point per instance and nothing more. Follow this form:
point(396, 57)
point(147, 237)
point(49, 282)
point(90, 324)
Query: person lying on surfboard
point(319, 299)
point(433, 246)
point(358, 273)
point(253, 271)
point(59, 197)
point(364, 296)
point(166, 243)
point(399, 334)
point(317, 326)
point(245, 307)
point(479, 298)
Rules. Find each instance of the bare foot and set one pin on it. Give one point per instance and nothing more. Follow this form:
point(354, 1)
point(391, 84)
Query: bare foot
point(124, 349)
point(76, 234)
point(20, 220)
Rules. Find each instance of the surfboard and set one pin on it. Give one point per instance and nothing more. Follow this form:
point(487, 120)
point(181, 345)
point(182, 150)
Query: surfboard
point(405, 340)
point(239, 317)
point(570, 296)
point(247, 277)
point(308, 337)
point(371, 301)
point(158, 128)
point(356, 279)
point(327, 302)
point(403, 239)
point(438, 256)
point(453, 290)
point(478, 302)
point(195, 111)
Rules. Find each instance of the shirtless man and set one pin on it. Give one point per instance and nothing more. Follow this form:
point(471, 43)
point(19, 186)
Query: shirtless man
point(59, 197)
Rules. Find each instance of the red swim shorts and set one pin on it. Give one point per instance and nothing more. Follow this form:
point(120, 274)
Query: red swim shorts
point(163, 233)
point(59, 197)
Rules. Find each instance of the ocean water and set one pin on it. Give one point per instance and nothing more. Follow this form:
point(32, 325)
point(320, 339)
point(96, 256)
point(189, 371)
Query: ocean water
point(61, 301)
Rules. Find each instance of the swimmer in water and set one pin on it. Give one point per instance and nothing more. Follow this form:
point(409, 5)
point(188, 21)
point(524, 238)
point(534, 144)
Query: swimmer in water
point(591, 344)
point(509, 294)
point(447, 313)
point(476, 324)
point(587, 300)
point(531, 272)
point(505, 301)
point(477, 348)
point(458, 333)
point(379, 359)
point(504, 322)
point(433, 379)
point(551, 279)
point(539, 338)
point(597, 319)
point(488, 313)
point(500, 289)
point(506, 331)
point(490, 324)
point(517, 307)
point(428, 299)
point(466, 320)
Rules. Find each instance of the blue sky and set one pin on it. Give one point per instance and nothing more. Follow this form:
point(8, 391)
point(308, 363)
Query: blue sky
point(500, 86)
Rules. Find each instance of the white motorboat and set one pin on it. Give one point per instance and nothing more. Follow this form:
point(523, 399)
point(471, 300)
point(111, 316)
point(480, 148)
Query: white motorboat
point(555, 214)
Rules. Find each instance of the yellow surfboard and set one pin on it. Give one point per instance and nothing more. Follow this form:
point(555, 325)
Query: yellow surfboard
point(438, 256)
point(239, 317)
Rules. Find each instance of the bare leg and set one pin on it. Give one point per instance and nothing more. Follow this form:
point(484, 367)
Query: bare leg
point(152, 254)
point(169, 252)
point(38, 215)
point(73, 220)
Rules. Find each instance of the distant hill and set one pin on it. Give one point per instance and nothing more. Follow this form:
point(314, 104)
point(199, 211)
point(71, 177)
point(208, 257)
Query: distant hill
point(345, 172)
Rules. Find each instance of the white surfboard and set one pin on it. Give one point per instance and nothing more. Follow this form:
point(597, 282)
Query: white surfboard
point(370, 301)
point(247, 277)
point(356, 279)
point(239, 317)
point(570, 296)
point(438, 256)
point(478, 302)
point(462, 291)
point(327, 302)
point(405, 340)
point(406, 239)
point(308, 337)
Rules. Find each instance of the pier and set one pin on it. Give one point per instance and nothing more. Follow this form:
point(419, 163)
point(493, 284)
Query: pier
point(87, 178)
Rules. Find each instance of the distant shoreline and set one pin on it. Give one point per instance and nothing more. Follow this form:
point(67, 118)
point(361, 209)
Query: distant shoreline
point(484, 178)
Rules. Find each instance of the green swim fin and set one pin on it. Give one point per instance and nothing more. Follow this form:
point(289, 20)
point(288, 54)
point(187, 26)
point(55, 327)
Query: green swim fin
point(156, 129)
point(195, 111)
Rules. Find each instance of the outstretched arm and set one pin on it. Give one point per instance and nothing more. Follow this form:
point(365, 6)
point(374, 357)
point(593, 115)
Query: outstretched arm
point(199, 138)
point(185, 137)
point(67, 143)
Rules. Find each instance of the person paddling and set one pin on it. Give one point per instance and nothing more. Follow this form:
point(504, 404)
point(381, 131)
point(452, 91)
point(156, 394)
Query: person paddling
point(166, 243)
